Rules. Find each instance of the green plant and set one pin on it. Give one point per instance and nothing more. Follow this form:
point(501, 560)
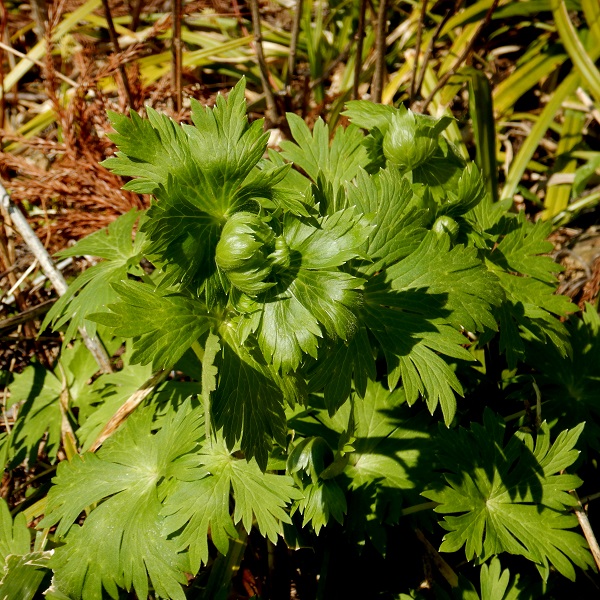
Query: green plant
point(305, 312)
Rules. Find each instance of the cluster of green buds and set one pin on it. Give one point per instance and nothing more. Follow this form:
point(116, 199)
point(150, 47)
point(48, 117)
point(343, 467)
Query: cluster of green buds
point(248, 251)
point(411, 140)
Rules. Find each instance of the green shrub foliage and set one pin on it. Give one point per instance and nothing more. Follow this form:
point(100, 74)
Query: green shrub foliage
point(321, 308)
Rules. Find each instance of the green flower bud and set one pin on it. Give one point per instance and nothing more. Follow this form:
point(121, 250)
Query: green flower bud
point(242, 252)
point(446, 224)
point(411, 140)
point(280, 258)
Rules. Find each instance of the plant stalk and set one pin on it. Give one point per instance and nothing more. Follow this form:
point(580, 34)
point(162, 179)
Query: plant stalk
point(272, 115)
point(380, 47)
point(115, 42)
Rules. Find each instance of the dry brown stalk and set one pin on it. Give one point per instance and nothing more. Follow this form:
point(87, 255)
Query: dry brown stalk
point(380, 48)
point(127, 408)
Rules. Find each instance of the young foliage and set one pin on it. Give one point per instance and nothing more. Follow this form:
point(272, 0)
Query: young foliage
point(90, 292)
point(302, 310)
point(513, 497)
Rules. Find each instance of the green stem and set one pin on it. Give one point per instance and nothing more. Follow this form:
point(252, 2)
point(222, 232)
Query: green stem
point(225, 567)
point(411, 510)
point(199, 352)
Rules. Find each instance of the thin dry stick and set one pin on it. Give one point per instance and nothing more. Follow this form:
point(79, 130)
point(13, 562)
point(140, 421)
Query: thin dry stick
point(127, 408)
point(39, 8)
point(176, 51)
point(115, 42)
point(136, 13)
point(588, 532)
point(413, 79)
point(360, 34)
point(462, 57)
point(272, 115)
point(380, 47)
point(54, 275)
point(294, 43)
point(37, 62)
point(27, 315)
point(429, 51)
point(444, 568)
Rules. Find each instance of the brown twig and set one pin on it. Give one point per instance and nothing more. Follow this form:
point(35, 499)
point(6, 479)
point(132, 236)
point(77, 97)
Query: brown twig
point(136, 13)
point(27, 315)
point(360, 34)
point(294, 43)
point(115, 42)
point(37, 62)
point(443, 567)
point(272, 115)
point(380, 48)
point(587, 530)
point(428, 53)
point(462, 56)
point(176, 51)
point(413, 79)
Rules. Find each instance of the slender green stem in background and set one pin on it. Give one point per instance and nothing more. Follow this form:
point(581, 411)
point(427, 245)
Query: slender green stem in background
point(380, 48)
point(226, 567)
point(428, 53)
point(411, 510)
point(575, 49)
point(591, 11)
point(558, 194)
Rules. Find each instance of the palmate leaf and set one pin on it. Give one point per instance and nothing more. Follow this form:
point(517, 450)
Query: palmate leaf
point(388, 456)
point(105, 396)
point(163, 325)
point(199, 175)
point(498, 584)
point(398, 225)
point(90, 291)
point(37, 393)
point(528, 279)
point(21, 571)
point(412, 331)
point(199, 504)
point(38, 416)
point(455, 273)
point(413, 307)
point(569, 385)
point(123, 540)
point(511, 497)
point(15, 537)
point(24, 574)
point(338, 162)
